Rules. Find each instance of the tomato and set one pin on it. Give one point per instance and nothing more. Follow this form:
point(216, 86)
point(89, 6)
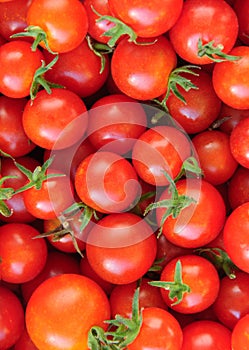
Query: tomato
point(160, 148)
point(148, 19)
point(115, 122)
point(121, 298)
point(11, 318)
point(231, 303)
point(242, 11)
point(201, 277)
point(62, 319)
point(215, 157)
point(79, 70)
point(57, 263)
point(240, 332)
point(199, 223)
point(18, 65)
point(238, 187)
point(54, 196)
point(159, 330)
point(116, 247)
point(56, 120)
point(206, 335)
point(213, 21)
point(239, 142)
point(229, 117)
point(65, 23)
point(230, 79)
point(13, 17)
point(24, 342)
point(22, 256)
point(237, 225)
point(106, 182)
point(143, 82)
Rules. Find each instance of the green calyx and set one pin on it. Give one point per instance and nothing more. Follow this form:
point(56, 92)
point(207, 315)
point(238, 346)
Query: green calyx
point(215, 53)
point(177, 288)
point(125, 330)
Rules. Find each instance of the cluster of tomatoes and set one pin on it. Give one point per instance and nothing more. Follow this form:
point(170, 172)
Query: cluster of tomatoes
point(124, 187)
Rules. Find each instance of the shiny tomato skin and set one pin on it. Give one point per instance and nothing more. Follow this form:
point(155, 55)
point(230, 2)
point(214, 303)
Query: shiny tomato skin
point(22, 256)
point(199, 223)
point(71, 306)
point(236, 239)
point(238, 187)
point(202, 278)
point(230, 79)
point(116, 247)
point(65, 22)
point(55, 121)
point(240, 340)
point(160, 148)
point(206, 335)
point(239, 142)
point(18, 66)
point(215, 156)
point(106, 182)
point(159, 330)
point(143, 82)
point(198, 20)
point(11, 318)
point(148, 19)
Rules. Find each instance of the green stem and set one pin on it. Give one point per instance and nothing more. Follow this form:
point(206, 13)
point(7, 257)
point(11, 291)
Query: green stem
point(215, 53)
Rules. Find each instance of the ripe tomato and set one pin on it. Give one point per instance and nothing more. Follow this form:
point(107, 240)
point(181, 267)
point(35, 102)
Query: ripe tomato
point(239, 142)
point(231, 79)
point(229, 117)
point(238, 187)
point(159, 330)
point(201, 277)
point(240, 340)
point(24, 342)
point(199, 223)
point(143, 81)
point(11, 318)
point(242, 11)
point(106, 182)
point(215, 157)
point(206, 335)
point(116, 247)
point(158, 149)
point(148, 19)
point(18, 65)
point(115, 122)
point(22, 256)
point(56, 120)
point(64, 22)
point(61, 311)
point(198, 21)
point(236, 239)
point(231, 303)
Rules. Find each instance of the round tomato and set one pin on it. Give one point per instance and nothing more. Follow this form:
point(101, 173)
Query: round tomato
point(62, 310)
point(240, 340)
point(239, 142)
point(242, 11)
point(238, 187)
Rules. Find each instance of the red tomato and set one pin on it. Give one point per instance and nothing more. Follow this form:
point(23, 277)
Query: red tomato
point(202, 105)
point(24, 342)
point(143, 81)
point(62, 319)
point(116, 247)
point(18, 65)
point(157, 149)
point(115, 122)
point(200, 222)
point(198, 21)
point(79, 70)
point(240, 340)
point(64, 22)
point(206, 335)
point(215, 157)
point(11, 318)
point(22, 256)
point(239, 142)
point(236, 238)
point(201, 277)
point(231, 303)
point(56, 120)
point(106, 182)
point(229, 117)
point(242, 11)
point(238, 187)
point(148, 19)
point(231, 79)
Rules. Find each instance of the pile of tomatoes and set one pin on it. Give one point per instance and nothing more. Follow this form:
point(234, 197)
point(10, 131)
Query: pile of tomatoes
point(124, 178)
